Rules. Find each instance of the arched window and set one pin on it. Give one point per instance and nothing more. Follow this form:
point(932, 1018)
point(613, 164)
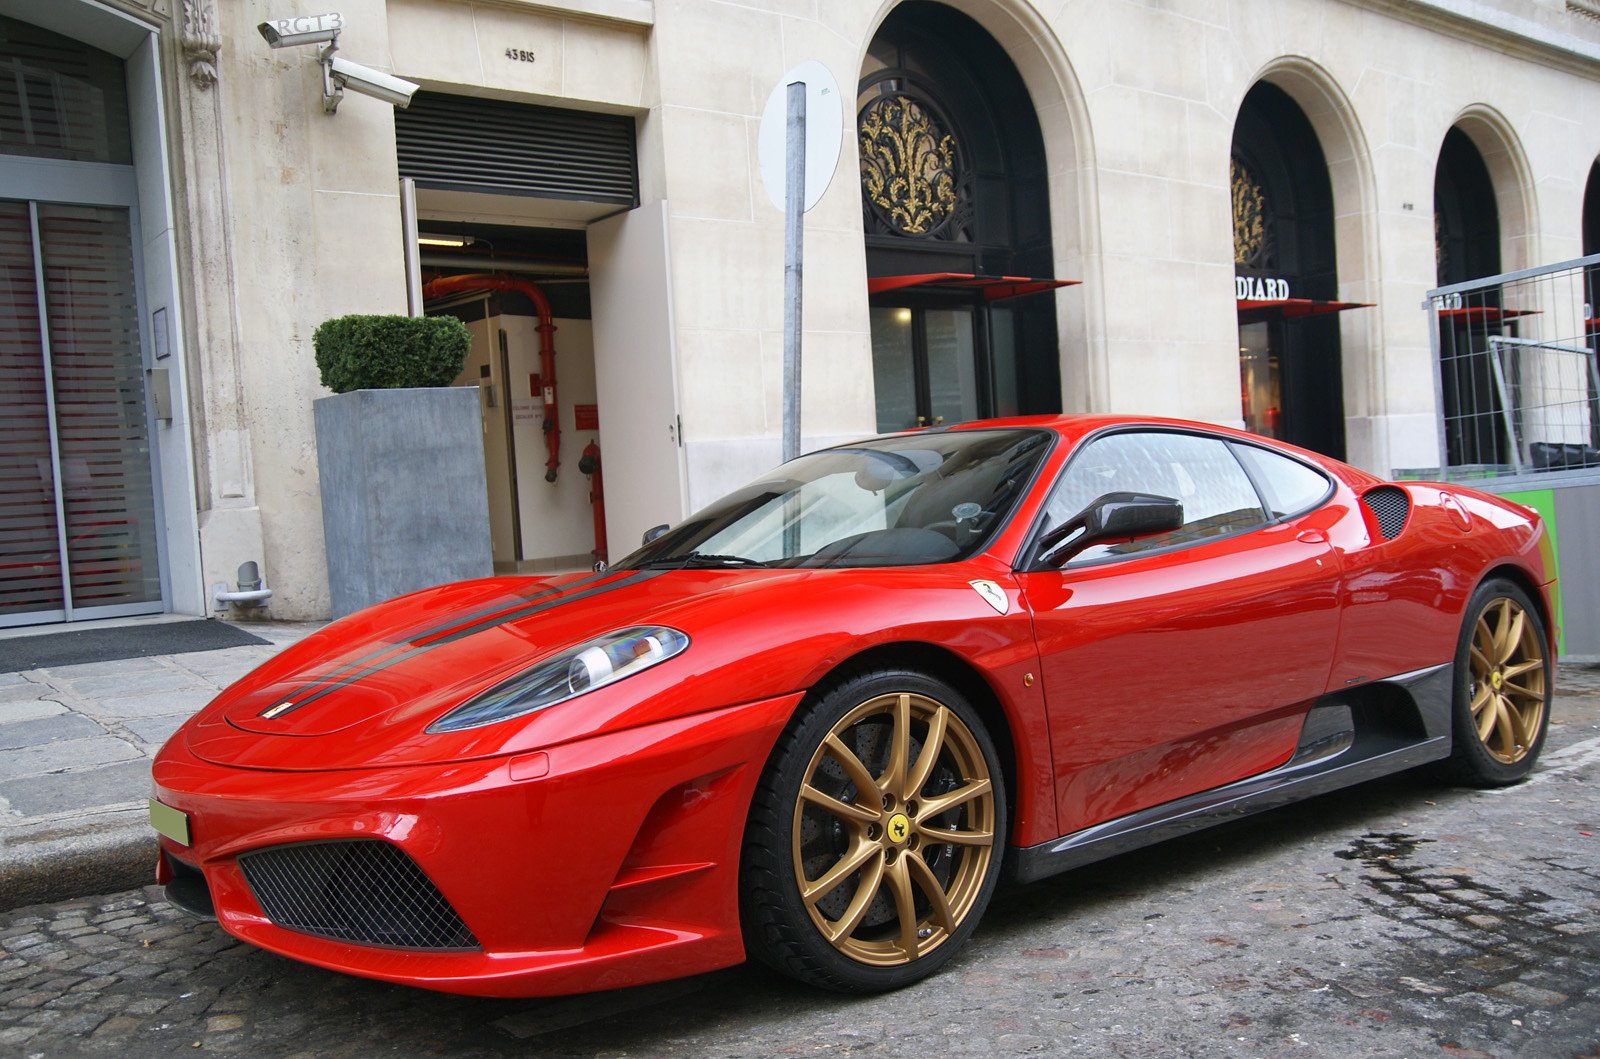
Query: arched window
point(1591, 212)
point(953, 191)
point(1291, 380)
point(1466, 221)
point(1591, 235)
point(1466, 233)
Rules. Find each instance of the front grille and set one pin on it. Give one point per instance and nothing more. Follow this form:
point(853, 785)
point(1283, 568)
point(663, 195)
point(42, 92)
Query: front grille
point(1391, 505)
point(363, 891)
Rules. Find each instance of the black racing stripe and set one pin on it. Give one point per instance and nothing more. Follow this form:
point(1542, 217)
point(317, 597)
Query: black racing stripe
point(634, 578)
point(543, 593)
point(506, 617)
point(413, 639)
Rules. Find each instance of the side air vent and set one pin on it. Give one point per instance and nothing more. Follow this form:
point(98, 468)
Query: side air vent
point(1390, 505)
point(363, 891)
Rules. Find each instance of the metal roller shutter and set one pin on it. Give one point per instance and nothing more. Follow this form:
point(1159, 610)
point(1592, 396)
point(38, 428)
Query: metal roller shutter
point(489, 145)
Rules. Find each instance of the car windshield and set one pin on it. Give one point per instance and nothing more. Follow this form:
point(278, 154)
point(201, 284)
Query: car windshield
point(894, 501)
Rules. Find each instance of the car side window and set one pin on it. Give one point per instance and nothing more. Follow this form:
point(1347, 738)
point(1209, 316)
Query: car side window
point(1200, 472)
point(1288, 486)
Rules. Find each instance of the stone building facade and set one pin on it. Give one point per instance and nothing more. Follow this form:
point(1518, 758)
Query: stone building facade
point(1252, 197)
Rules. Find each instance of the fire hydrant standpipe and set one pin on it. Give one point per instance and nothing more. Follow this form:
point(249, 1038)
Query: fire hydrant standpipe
point(589, 463)
point(438, 288)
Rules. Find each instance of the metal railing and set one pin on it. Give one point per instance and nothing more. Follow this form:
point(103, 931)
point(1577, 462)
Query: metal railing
point(1516, 382)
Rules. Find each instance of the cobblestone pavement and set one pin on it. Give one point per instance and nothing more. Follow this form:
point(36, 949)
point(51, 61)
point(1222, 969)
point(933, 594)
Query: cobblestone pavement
point(1401, 918)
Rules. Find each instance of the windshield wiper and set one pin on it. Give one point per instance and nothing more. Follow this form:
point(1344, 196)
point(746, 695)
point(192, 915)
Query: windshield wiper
point(698, 559)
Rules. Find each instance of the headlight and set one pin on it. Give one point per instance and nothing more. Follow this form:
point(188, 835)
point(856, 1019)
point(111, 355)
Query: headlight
point(601, 661)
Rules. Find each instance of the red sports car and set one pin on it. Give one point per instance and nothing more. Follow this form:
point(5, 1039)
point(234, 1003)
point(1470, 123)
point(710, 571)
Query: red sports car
point(815, 721)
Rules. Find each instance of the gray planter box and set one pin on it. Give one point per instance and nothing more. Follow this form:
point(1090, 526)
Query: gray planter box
point(404, 504)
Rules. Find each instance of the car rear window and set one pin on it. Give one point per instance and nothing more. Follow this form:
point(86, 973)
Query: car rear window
point(1288, 486)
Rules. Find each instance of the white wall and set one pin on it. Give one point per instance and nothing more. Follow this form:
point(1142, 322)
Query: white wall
point(298, 220)
point(557, 520)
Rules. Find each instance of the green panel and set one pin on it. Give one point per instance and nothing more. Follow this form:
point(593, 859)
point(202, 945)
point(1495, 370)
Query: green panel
point(170, 822)
point(1544, 502)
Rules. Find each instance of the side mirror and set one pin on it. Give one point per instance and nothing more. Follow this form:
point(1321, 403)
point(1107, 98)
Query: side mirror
point(1114, 515)
point(653, 532)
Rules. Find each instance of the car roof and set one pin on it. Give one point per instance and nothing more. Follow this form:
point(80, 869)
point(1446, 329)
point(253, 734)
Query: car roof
point(1074, 427)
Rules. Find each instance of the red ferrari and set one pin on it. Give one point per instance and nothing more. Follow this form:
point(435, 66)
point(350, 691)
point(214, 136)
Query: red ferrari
point(814, 722)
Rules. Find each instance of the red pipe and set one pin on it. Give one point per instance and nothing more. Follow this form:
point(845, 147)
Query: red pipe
point(438, 288)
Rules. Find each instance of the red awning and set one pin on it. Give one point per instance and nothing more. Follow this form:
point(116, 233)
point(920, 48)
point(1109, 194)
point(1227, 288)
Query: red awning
point(1253, 311)
point(994, 288)
point(1485, 313)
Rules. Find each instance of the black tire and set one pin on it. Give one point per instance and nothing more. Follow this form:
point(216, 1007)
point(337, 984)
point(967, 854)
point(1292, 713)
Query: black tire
point(879, 924)
point(1500, 706)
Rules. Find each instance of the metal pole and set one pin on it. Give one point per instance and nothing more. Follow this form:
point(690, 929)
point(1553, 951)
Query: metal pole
point(794, 212)
point(1436, 341)
point(408, 225)
point(1507, 409)
point(52, 420)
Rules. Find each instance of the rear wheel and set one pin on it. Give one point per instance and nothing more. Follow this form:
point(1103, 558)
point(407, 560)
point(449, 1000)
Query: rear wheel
point(1502, 688)
point(875, 837)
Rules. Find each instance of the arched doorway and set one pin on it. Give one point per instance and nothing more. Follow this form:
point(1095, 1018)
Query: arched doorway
point(1591, 236)
point(1591, 212)
point(1466, 220)
point(1591, 245)
point(1286, 275)
point(1466, 228)
point(954, 196)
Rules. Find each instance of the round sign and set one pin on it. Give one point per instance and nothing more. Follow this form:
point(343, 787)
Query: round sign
point(824, 127)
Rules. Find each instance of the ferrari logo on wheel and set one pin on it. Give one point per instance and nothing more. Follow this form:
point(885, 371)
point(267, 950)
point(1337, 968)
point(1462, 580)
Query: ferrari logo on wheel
point(899, 827)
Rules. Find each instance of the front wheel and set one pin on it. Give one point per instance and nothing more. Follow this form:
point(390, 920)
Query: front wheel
point(1502, 688)
point(875, 836)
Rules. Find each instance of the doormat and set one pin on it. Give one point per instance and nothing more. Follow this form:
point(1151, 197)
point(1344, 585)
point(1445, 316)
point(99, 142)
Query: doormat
point(129, 641)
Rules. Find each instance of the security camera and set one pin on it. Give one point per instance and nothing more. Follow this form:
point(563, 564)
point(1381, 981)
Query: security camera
point(302, 29)
point(340, 73)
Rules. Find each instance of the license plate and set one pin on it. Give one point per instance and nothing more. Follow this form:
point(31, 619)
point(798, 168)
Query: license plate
point(170, 822)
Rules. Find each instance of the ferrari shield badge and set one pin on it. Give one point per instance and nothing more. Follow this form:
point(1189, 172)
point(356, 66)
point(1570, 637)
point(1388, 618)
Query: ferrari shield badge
point(992, 594)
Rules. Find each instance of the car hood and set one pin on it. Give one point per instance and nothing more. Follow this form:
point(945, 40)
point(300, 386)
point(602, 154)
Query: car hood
point(384, 674)
point(361, 692)
point(430, 649)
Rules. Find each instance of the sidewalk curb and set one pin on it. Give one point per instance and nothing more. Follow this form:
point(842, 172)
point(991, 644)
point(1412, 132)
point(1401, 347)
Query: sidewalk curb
point(63, 862)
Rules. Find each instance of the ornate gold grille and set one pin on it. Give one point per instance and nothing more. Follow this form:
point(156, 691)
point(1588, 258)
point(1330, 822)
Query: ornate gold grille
point(1250, 227)
point(909, 165)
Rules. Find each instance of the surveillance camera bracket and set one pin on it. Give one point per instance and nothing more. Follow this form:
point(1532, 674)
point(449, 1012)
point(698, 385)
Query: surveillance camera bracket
point(332, 91)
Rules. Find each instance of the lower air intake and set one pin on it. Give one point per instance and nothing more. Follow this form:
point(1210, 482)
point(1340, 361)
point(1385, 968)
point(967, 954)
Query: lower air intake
point(1390, 505)
point(361, 891)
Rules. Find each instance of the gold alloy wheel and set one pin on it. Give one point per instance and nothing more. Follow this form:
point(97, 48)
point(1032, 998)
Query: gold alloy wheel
point(893, 829)
point(1506, 657)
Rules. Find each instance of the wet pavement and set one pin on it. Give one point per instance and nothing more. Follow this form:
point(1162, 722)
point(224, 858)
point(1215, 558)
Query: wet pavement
point(1401, 918)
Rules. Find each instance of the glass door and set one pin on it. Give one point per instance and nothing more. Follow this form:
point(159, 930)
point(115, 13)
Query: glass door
point(925, 366)
point(952, 358)
point(894, 374)
point(1260, 379)
point(78, 525)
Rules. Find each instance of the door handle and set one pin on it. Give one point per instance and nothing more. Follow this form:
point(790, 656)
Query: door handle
point(1312, 536)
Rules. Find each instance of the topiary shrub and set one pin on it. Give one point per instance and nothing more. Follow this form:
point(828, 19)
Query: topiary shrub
point(389, 352)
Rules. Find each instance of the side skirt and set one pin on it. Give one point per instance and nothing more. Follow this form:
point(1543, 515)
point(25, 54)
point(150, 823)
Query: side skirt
point(1367, 752)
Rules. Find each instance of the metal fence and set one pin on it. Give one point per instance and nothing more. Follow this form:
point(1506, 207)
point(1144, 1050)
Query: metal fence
point(1515, 374)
